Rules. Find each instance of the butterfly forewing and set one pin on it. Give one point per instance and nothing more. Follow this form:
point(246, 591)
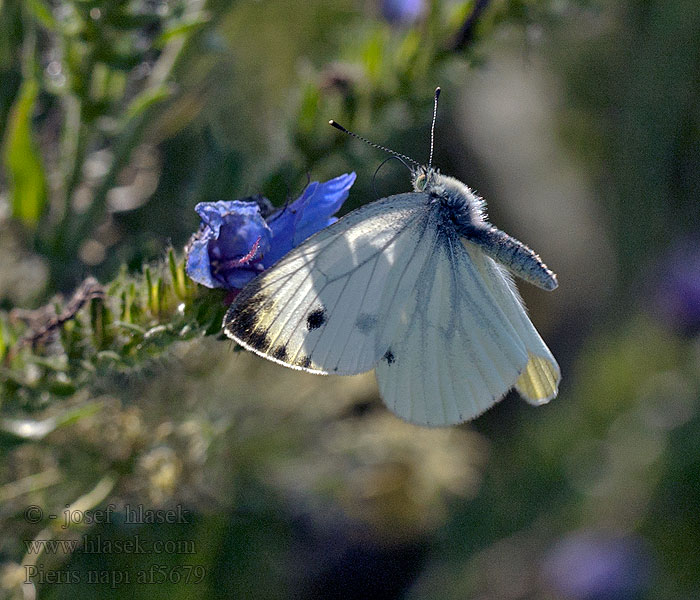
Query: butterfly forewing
point(327, 306)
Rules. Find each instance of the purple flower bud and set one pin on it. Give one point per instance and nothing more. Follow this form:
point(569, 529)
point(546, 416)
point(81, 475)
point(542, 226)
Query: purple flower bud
point(677, 297)
point(238, 239)
point(598, 566)
point(402, 12)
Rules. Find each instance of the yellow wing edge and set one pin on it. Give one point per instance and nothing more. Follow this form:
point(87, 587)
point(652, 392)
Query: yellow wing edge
point(539, 382)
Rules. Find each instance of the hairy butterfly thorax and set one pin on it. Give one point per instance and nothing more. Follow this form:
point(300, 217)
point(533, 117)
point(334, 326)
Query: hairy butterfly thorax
point(457, 200)
point(465, 211)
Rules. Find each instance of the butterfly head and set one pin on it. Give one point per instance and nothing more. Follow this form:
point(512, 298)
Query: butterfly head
point(423, 177)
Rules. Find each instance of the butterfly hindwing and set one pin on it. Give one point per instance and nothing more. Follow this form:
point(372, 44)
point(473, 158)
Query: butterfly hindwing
point(463, 342)
point(331, 304)
point(539, 382)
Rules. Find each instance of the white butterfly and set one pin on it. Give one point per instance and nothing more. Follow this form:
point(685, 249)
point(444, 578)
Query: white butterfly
point(416, 286)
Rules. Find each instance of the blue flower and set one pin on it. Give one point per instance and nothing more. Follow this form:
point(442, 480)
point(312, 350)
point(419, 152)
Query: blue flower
point(238, 239)
point(402, 12)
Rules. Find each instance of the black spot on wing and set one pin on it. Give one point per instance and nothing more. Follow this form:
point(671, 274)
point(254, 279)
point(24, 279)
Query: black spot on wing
point(258, 340)
point(241, 319)
point(315, 319)
point(366, 322)
point(280, 353)
point(389, 357)
point(305, 362)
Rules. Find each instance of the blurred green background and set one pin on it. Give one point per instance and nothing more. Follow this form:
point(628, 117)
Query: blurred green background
point(577, 120)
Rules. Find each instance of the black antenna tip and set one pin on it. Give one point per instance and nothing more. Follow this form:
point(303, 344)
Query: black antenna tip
point(337, 126)
point(437, 92)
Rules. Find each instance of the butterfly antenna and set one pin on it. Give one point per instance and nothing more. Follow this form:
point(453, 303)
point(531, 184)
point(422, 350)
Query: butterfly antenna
point(386, 160)
point(377, 146)
point(432, 128)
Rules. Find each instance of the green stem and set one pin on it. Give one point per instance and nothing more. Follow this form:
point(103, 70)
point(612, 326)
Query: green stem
point(73, 145)
point(73, 149)
point(98, 206)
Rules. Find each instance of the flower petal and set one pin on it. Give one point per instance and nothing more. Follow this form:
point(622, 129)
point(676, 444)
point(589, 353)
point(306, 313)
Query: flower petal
point(231, 230)
point(321, 205)
point(308, 214)
point(238, 278)
point(235, 243)
point(198, 266)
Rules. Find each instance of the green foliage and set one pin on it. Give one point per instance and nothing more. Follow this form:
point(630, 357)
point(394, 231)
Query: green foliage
point(22, 160)
point(74, 345)
point(111, 66)
point(117, 117)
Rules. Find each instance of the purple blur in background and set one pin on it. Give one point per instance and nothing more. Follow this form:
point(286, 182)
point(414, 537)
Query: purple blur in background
point(592, 565)
point(677, 296)
point(402, 12)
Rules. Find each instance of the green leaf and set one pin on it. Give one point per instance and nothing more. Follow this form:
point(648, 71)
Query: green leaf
point(178, 276)
point(28, 429)
point(100, 321)
point(308, 113)
point(3, 343)
point(184, 27)
point(22, 160)
point(373, 55)
point(146, 99)
point(42, 13)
